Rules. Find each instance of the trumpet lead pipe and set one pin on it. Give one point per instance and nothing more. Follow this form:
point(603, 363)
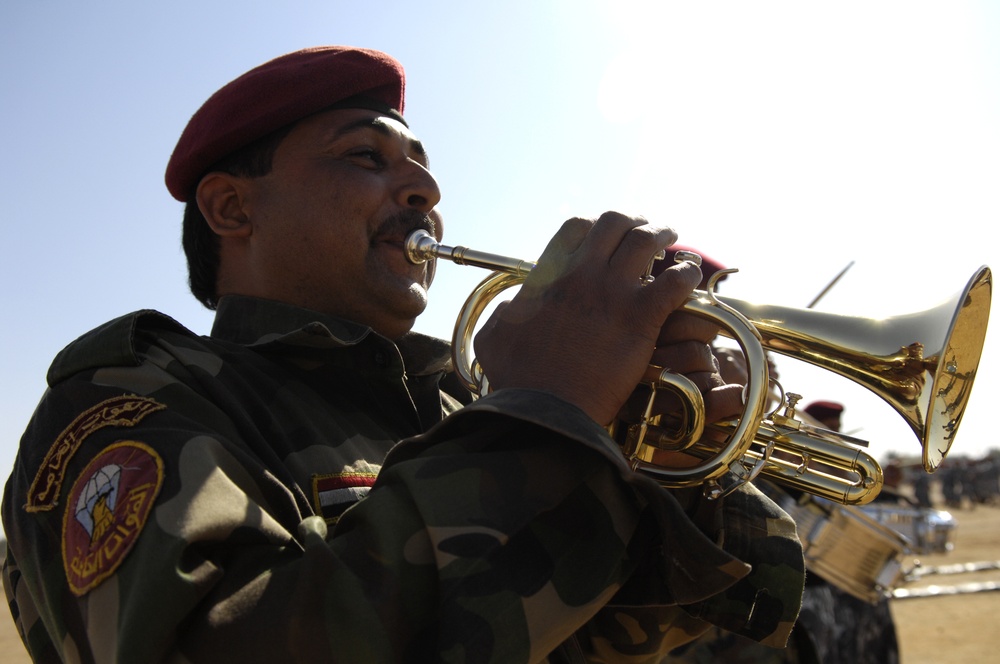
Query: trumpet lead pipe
point(421, 246)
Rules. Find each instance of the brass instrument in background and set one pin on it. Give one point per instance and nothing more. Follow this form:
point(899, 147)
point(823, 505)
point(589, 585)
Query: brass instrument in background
point(922, 364)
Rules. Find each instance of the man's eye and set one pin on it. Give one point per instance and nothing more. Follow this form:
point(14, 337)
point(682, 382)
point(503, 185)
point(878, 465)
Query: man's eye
point(368, 154)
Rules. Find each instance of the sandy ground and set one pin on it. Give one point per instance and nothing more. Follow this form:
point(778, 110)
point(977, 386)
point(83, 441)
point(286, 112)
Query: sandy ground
point(955, 628)
point(932, 630)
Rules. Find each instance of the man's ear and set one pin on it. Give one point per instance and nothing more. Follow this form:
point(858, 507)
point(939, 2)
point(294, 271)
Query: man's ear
point(221, 199)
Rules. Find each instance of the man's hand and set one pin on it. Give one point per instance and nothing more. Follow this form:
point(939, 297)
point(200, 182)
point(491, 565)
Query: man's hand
point(684, 347)
point(583, 326)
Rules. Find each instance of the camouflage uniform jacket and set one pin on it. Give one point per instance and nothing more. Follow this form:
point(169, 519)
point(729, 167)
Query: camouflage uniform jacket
point(198, 499)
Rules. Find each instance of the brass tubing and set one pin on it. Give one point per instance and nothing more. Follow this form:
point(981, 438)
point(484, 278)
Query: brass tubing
point(921, 364)
point(421, 247)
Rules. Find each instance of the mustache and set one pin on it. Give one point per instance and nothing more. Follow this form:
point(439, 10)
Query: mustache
point(407, 221)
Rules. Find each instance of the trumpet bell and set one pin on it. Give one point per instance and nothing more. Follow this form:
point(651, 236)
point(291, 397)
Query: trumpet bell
point(922, 364)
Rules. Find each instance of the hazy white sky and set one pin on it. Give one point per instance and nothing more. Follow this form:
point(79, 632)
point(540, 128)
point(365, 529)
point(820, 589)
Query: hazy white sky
point(783, 138)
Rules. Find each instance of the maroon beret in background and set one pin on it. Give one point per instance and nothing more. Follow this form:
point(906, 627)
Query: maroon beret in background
point(821, 409)
point(276, 94)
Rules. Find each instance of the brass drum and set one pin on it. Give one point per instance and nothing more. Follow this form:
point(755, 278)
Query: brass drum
point(846, 547)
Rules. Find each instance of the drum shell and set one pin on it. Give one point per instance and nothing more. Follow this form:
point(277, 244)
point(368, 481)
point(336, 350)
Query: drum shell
point(846, 547)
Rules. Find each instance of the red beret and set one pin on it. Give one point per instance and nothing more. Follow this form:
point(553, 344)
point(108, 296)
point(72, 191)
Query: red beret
point(821, 409)
point(276, 94)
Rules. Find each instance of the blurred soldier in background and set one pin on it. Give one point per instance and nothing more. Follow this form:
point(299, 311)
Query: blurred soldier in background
point(842, 628)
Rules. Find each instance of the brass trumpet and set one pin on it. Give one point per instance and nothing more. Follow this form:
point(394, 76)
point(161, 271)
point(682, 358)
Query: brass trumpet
point(921, 364)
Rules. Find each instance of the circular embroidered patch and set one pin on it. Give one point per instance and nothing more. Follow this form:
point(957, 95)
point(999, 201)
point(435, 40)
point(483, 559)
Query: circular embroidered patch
point(108, 506)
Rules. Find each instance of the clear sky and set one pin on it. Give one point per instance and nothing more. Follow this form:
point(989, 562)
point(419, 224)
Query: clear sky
point(786, 139)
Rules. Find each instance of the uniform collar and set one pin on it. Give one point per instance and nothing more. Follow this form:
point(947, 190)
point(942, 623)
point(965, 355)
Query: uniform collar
point(259, 323)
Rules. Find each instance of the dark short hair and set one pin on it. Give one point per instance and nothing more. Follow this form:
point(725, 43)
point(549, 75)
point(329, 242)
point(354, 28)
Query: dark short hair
point(201, 244)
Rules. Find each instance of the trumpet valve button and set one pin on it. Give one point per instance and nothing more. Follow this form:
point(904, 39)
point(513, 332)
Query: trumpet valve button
point(687, 256)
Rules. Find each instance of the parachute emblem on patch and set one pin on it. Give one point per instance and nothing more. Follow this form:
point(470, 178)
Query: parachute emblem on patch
point(96, 505)
point(109, 505)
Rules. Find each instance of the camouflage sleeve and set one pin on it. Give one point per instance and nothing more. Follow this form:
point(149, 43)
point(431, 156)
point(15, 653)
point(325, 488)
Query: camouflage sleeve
point(685, 575)
point(760, 608)
point(718, 645)
point(491, 538)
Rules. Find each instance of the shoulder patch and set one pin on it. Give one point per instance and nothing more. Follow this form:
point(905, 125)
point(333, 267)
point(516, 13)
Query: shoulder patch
point(108, 507)
point(333, 494)
point(124, 411)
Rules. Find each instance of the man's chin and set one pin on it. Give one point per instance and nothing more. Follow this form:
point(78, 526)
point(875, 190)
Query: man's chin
point(416, 300)
point(405, 310)
point(396, 329)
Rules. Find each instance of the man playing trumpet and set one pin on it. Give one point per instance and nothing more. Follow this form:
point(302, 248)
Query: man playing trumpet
point(300, 485)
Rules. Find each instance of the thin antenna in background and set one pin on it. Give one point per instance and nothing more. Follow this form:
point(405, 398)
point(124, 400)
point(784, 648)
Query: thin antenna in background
point(829, 286)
